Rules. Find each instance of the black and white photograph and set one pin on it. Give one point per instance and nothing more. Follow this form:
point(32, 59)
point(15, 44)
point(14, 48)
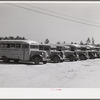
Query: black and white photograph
point(50, 45)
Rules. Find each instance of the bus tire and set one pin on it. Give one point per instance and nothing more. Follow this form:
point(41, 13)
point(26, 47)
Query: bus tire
point(16, 60)
point(36, 60)
point(5, 59)
point(56, 59)
point(61, 61)
point(71, 58)
point(82, 57)
point(92, 57)
point(75, 58)
point(44, 62)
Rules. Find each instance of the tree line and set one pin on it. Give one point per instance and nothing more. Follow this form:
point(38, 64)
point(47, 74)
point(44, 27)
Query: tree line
point(88, 41)
point(12, 38)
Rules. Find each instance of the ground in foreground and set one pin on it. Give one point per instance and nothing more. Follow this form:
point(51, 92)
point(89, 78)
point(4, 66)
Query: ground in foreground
point(79, 74)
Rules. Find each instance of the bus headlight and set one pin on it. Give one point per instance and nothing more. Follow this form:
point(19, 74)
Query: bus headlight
point(42, 53)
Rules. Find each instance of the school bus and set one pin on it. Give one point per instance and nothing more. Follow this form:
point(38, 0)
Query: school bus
point(22, 50)
point(70, 55)
point(53, 54)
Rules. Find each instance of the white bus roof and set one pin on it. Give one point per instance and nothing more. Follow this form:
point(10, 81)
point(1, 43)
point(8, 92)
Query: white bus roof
point(75, 45)
point(21, 41)
point(90, 46)
point(51, 45)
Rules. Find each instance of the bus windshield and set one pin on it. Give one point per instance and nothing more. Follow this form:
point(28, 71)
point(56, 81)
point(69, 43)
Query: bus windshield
point(44, 47)
point(34, 46)
point(60, 48)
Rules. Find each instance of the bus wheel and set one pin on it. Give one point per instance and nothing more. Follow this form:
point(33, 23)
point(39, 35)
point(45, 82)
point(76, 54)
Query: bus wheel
point(5, 59)
point(82, 57)
point(56, 59)
point(71, 58)
point(76, 59)
point(16, 60)
point(92, 56)
point(44, 62)
point(37, 60)
point(61, 60)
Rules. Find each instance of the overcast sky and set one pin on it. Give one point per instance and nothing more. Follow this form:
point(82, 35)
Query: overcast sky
point(17, 21)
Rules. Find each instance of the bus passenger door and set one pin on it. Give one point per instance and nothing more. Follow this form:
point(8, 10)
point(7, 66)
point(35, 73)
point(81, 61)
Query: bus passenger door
point(25, 48)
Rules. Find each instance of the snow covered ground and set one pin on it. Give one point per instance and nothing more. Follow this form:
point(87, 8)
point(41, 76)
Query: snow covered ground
point(79, 74)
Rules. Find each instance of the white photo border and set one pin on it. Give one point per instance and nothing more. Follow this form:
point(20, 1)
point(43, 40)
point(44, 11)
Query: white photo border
point(49, 93)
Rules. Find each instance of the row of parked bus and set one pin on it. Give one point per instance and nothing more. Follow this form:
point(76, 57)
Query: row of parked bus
point(32, 51)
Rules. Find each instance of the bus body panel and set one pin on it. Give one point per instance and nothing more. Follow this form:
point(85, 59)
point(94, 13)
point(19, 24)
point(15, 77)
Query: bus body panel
point(25, 52)
point(11, 53)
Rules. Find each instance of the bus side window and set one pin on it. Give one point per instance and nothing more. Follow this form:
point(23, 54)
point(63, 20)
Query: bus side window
point(12, 46)
point(2, 45)
point(18, 45)
point(41, 48)
point(7, 45)
point(34, 46)
point(46, 48)
point(25, 45)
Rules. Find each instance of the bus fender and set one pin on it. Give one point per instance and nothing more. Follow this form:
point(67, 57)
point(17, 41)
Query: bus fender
point(40, 56)
point(71, 56)
point(56, 55)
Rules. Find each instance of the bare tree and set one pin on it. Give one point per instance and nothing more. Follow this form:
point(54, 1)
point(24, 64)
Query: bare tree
point(88, 41)
point(93, 41)
point(71, 42)
point(11, 38)
point(46, 41)
point(6, 38)
point(1, 38)
point(58, 42)
point(20, 38)
point(64, 42)
point(81, 43)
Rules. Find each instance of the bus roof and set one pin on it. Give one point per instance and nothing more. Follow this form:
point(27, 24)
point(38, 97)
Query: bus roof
point(49, 45)
point(73, 45)
point(19, 41)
